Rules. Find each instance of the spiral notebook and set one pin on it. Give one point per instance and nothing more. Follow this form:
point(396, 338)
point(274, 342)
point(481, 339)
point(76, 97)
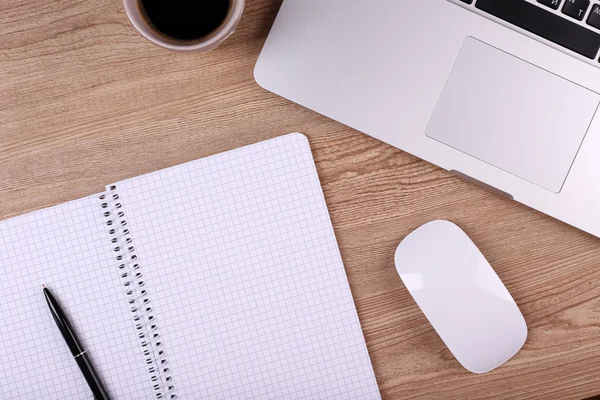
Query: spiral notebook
point(219, 279)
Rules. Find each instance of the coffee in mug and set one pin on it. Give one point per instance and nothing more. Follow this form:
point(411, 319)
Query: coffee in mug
point(185, 24)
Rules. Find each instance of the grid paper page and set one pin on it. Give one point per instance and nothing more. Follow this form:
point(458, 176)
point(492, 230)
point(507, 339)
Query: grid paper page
point(246, 279)
point(65, 247)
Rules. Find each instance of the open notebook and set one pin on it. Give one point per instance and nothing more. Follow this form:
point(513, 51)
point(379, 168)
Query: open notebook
point(219, 278)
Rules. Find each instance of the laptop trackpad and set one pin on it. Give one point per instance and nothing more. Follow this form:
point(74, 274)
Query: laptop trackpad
point(513, 115)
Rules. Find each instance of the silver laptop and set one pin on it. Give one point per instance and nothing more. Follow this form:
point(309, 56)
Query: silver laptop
point(505, 92)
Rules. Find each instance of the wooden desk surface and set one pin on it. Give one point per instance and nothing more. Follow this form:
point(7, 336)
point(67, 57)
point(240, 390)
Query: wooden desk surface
point(85, 101)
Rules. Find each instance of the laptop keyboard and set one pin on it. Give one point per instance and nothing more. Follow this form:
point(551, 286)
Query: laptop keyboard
point(572, 24)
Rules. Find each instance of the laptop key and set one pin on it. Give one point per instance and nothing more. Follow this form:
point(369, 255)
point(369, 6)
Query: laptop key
point(594, 18)
point(545, 24)
point(576, 8)
point(553, 4)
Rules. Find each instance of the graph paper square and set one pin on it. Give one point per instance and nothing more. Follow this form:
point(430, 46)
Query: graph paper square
point(66, 248)
point(246, 279)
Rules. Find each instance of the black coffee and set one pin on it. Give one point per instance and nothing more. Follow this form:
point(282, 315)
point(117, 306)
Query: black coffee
point(185, 20)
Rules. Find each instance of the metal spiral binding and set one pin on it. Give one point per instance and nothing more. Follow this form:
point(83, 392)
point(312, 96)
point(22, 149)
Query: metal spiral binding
point(137, 295)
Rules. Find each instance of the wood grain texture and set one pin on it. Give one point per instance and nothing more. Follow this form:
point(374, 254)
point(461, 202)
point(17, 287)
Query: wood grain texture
point(85, 101)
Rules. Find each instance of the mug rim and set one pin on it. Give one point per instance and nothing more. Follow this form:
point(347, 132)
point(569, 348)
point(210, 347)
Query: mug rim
point(204, 44)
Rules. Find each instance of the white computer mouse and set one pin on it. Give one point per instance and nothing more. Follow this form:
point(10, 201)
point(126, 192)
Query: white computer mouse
point(461, 296)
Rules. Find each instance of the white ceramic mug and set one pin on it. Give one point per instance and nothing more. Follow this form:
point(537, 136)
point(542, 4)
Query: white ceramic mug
point(134, 11)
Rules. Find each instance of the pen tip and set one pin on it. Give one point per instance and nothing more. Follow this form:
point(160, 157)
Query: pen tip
point(43, 286)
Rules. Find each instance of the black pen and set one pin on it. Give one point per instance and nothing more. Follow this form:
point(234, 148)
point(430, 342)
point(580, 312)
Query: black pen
point(76, 348)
